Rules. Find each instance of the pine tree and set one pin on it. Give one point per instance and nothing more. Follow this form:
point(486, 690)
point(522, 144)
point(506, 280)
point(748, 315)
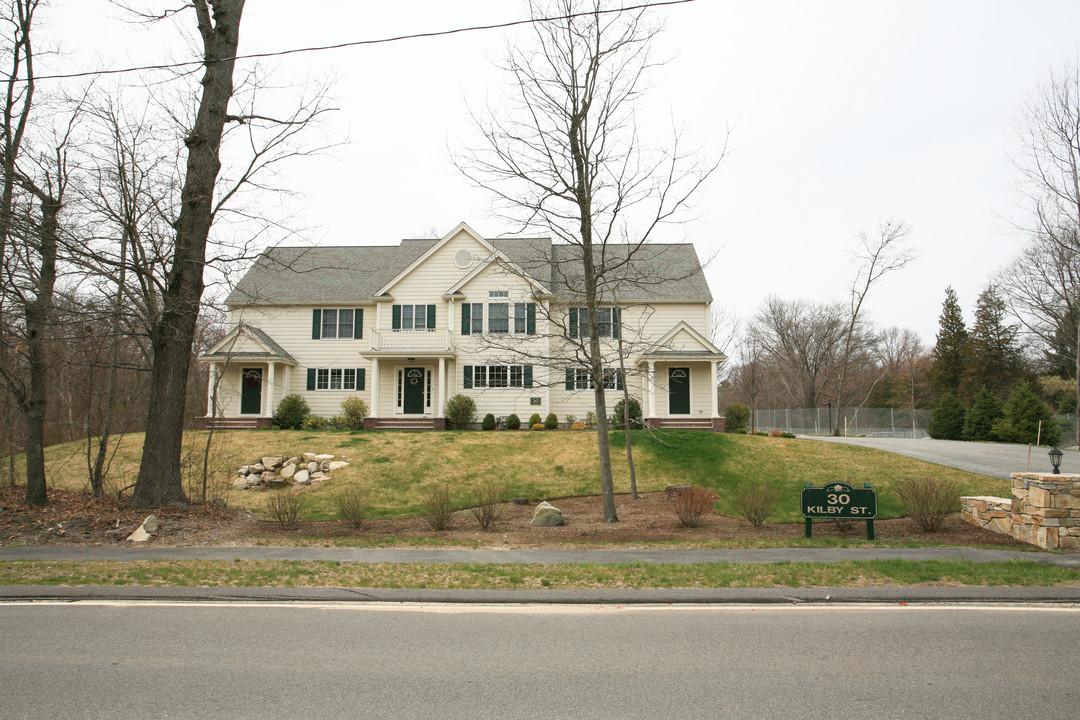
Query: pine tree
point(947, 420)
point(952, 348)
point(1023, 413)
point(985, 411)
point(995, 361)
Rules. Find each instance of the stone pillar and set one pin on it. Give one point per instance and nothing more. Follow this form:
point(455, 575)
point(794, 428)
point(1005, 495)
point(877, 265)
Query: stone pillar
point(1046, 510)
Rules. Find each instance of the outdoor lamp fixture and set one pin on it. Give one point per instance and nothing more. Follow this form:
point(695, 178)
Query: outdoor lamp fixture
point(1055, 460)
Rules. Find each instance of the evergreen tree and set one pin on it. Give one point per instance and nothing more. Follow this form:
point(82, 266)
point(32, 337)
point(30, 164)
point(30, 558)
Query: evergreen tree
point(995, 361)
point(952, 348)
point(947, 420)
point(1059, 357)
point(1020, 423)
point(985, 411)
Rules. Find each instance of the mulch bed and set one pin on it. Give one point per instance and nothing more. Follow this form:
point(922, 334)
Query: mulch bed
point(78, 519)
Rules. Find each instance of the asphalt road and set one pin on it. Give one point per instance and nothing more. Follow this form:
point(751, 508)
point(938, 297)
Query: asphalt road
point(993, 459)
point(403, 661)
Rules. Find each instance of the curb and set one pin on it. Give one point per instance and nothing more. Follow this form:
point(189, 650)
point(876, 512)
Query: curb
point(703, 596)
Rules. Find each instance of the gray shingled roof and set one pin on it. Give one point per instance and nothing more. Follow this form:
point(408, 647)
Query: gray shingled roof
point(320, 275)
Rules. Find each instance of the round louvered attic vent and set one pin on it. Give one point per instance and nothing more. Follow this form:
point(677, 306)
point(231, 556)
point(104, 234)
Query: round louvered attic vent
point(463, 259)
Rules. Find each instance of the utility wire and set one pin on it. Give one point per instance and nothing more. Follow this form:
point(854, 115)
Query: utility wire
point(358, 43)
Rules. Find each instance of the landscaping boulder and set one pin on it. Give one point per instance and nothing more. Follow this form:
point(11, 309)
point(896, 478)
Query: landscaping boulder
point(302, 477)
point(150, 524)
point(268, 475)
point(244, 470)
point(310, 457)
point(288, 470)
point(317, 476)
point(547, 515)
point(323, 457)
point(337, 465)
point(312, 466)
point(253, 481)
point(272, 461)
point(240, 483)
point(142, 533)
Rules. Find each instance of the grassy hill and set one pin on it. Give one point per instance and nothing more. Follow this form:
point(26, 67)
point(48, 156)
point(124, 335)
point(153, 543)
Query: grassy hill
point(398, 468)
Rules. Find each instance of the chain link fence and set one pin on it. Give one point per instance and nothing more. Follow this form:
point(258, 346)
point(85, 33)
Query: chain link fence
point(867, 422)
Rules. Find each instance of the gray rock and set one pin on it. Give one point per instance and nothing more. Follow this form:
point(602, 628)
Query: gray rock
point(240, 483)
point(547, 515)
point(520, 501)
point(140, 535)
point(267, 476)
point(312, 466)
point(288, 470)
point(257, 468)
point(150, 524)
point(323, 457)
point(244, 471)
point(272, 461)
point(337, 465)
point(276, 481)
point(254, 481)
point(317, 475)
point(302, 477)
point(310, 457)
point(325, 466)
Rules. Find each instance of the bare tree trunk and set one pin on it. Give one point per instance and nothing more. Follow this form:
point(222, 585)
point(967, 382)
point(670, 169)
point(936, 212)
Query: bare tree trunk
point(159, 481)
point(97, 477)
point(626, 420)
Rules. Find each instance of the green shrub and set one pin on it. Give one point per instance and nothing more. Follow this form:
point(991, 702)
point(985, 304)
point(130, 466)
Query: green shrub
point(438, 508)
point(489, 422)
point(947, 418)
point(590, 419)
point(351, 504)
point(1020, 424)
point(929, 501)
point(285, 506)
point(534, 419)
point(353, 413)
point(460, 412)
point(755, 500)
point(985, 411)
point(513, 422)
point(317, 422)
point(736, 417)
point(787, 435)
point(551, 422)
point(292, 412)
point(617, 415)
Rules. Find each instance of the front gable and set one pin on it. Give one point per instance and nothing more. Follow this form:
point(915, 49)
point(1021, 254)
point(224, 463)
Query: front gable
point(442, 265)
point(683, 339)
point(247, 343)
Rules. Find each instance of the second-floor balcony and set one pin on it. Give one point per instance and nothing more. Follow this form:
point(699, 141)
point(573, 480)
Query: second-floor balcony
point(436, 339)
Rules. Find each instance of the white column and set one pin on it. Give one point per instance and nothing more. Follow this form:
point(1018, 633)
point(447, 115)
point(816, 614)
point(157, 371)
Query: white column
point(441, 410)
point(211, 381)
point(375, 388)
point(269, 389)
point(652, 389)
point(712, 384)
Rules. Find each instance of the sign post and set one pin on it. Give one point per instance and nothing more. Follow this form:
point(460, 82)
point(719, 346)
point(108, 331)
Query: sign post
point(839, 500)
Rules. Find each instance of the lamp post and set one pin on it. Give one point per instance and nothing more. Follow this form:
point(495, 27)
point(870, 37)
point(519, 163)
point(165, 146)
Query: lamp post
point(1055, 460)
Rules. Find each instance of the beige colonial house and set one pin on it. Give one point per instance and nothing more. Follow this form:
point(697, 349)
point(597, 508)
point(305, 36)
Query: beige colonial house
point(406, 327)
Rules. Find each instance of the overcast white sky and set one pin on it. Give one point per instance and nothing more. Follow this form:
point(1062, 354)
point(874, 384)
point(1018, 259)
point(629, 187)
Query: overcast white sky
point(842, 114)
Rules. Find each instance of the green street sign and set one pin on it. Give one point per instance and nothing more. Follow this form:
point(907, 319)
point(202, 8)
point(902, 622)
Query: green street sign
point(839, 501)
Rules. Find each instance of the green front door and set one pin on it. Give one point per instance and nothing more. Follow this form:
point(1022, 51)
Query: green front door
point(251, 391)
point(412, 392)
point(678, 382)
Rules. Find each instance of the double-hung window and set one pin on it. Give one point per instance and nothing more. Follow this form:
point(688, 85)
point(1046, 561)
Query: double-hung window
point(335, 379)
point(335, 324)
point(581, 379)
point(413, 317)
point(499, 312)
point(607, 322)
point(498, 376)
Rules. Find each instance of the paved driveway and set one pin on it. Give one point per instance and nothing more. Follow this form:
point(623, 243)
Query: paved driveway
point(993, 459)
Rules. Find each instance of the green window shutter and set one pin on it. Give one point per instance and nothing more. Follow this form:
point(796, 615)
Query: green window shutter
point(618, 380)
point(311, 376)
point(527, 373)
point(316, 324)
point(466, 319)
point(358, 323)
point(360, 373)
point(570, 379)
point(573, 322)
point(530, 319)
point(468, 378)
point(616, 318)
point(431, 317)
point(397, 318)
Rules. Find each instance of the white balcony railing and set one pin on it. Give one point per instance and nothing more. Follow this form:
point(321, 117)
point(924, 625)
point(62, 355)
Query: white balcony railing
point(436, 339)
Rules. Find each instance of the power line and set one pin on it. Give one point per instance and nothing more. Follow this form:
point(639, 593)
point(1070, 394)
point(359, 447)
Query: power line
point(358, 43)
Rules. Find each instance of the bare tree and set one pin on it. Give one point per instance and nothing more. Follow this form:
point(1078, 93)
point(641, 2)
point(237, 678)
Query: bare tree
point(567, 160)
point(1050, 166)
point(875, 257)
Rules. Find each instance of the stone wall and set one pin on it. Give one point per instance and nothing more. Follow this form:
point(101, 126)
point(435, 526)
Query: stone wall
point(1044, 510)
